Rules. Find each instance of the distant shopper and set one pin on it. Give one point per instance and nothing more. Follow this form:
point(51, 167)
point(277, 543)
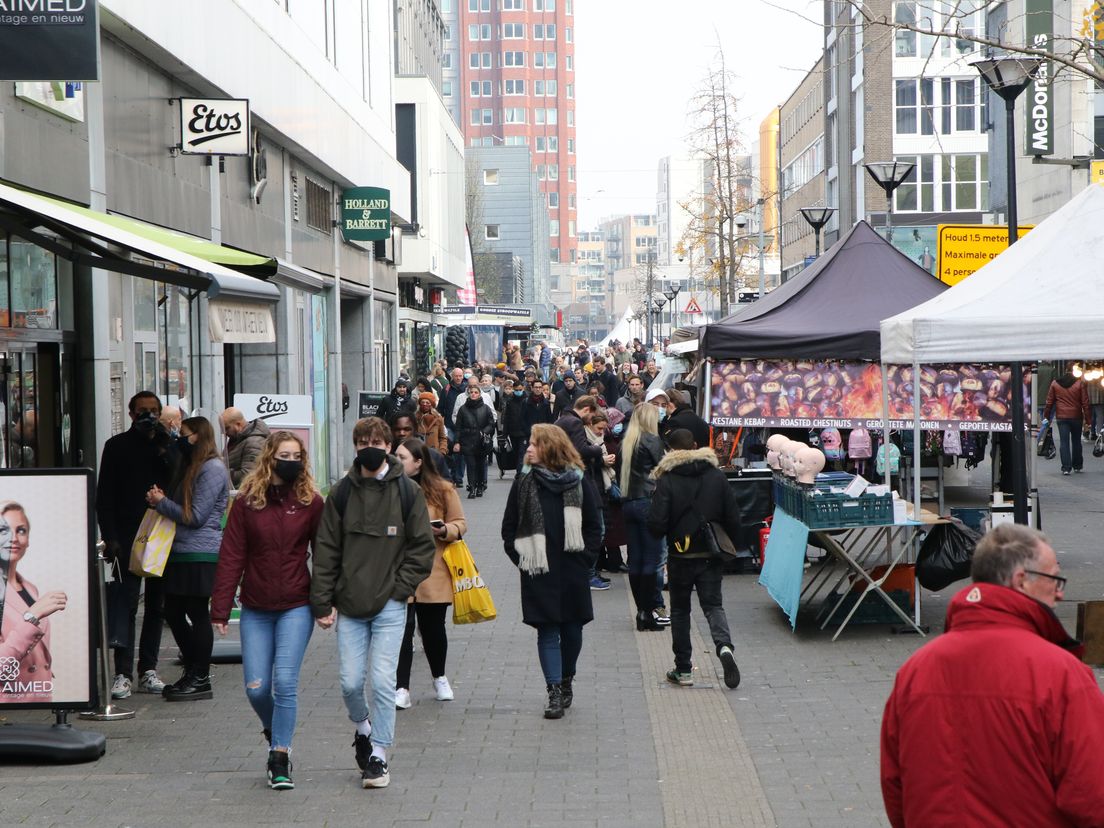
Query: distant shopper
point(1068, 402)
point(565, 399)
point(691, 492)
point(244, 443)
point(634, 395)
point(475, 427)
point(264, 550)
point(454, 391)
point(552, 518)
point(196, 507)
point(681, 415)
point(997, 721)
point(433, 596)
point(398, 401)
point(430, 424)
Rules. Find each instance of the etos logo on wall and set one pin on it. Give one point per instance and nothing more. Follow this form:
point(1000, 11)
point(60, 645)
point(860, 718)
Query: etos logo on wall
point(214, 126)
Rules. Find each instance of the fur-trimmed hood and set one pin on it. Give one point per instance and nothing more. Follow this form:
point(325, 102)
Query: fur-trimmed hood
point(673, 460)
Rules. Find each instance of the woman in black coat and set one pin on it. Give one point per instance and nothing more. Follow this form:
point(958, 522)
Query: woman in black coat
point(552, 517)
point(475, 424)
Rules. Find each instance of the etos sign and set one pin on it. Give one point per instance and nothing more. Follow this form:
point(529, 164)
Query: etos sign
point(214, 126)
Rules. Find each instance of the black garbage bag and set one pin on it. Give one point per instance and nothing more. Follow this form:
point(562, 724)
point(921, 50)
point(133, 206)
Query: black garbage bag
point(946, 554)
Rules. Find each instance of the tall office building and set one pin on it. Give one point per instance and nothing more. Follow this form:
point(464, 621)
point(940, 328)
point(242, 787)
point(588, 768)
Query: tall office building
point(509, 79)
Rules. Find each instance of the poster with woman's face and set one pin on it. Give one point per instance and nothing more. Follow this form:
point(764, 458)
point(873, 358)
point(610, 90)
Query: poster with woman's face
point(45, 617)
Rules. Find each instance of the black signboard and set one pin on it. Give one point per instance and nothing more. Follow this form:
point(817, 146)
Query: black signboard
point(368, 404)
point(49, 40)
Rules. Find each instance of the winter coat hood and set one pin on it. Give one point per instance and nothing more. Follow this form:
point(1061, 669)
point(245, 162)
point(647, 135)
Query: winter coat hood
point(981, 605)
point(686, 462)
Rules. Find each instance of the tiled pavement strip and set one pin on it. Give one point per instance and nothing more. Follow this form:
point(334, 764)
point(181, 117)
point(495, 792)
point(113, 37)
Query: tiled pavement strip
point(633, 751)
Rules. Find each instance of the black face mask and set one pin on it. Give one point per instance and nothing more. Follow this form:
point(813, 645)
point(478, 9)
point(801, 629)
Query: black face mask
point(146, 421)
point(371, 457)
point(185, 446)
point(289, 470)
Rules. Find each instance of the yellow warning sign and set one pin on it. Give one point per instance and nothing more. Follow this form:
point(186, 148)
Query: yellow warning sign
point(1096, 172)
point(965, 248)
point(692, 306)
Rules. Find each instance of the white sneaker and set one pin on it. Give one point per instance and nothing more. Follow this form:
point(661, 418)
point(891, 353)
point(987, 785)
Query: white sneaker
point(150, 683)
point(120, 688)
point(402, 699)
point(444, 689)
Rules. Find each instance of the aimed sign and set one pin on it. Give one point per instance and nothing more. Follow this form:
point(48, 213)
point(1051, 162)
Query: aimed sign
point(49, 40)
point(965, 248)
point(366, 214)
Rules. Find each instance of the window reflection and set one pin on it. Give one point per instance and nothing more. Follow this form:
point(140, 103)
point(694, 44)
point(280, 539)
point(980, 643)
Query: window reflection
point(33, 278)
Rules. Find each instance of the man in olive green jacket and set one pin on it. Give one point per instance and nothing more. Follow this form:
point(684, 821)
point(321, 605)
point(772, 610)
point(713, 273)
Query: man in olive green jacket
point(373, 547)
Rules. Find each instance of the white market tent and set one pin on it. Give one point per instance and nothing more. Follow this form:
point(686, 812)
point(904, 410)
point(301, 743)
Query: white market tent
point(622, 331)
point(1041, 299)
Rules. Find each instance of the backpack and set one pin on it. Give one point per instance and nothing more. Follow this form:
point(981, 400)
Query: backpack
point(952, 442)
point(831, 443)
point(340, 496)
point(894, 459)
point(858, 444)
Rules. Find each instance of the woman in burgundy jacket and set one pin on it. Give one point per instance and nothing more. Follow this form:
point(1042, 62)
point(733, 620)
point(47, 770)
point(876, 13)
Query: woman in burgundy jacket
point(264, 548)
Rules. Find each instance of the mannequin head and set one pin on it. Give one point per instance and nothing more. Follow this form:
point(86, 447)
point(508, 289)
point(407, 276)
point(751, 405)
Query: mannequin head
point(773, 459)
point(808, 462)
point(774, 449)
point(789, 449)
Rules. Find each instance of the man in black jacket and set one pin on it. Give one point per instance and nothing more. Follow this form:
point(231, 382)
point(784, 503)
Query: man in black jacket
point(538, 408)
point(456, 388)
point(681, 415)
point(690, 492)
point(131, 463)
point(565, 399)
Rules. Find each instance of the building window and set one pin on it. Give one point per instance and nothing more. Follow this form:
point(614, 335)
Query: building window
point(488, 117)
point(945, 183)
point(905, 14)
point(475, 117)
point(473, 31)
point(513, 58)
point(517, 140)
point(568, 37)
point(571, 228)
point(544, 5)
point(568, 7)
point(490, 178)
point(571, 173)
point(446, 60)
point(570, 91)
point(319, 214)
point(479, 60)
point(544, 31)
point(570, 146)
point(542, 172)
point(553, 199)
point(446, 89)
point(555, 255)
point(553, 172)
point(513, 5)
point(571, 201)
point(553, 143)
point(914, 101)
point(540, 143)
point(448, 33)
point(571, 117)
point(514, 87)
point(479, 5)
point(554, 228)
point(513, 31)
point(569, 62)
point(490, 232)
point(513, 115)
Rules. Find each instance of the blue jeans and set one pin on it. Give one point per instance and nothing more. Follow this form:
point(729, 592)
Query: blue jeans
point(1069, 437)
point(645, 549)
point(273, 644)
point(558, 647)
point(370, 647)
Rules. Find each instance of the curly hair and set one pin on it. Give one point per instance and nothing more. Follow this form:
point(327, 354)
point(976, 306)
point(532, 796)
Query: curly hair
point(253, 490)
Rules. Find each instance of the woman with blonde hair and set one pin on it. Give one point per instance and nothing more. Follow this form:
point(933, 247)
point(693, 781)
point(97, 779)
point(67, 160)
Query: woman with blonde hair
point(553, 516)
point(196, 507)
point(264, 549)
point(637, 458)
point(433, 596)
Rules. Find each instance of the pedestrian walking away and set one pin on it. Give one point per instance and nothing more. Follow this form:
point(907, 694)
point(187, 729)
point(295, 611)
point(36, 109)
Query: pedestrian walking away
point(1068, 401)
point(691, 494)
point(197, 508)
point(997, 721)
point(552, 518)
point(264, 550)
point(433, 596)
point(373, 547)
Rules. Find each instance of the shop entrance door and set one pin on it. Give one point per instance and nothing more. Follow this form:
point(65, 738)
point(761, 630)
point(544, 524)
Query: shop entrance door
point(35, 392)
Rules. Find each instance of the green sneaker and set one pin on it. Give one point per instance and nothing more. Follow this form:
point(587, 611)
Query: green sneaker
point(681, 679)
point(279, 771)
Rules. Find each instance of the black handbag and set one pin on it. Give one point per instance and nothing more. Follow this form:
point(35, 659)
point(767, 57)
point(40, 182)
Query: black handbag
point(710, 535)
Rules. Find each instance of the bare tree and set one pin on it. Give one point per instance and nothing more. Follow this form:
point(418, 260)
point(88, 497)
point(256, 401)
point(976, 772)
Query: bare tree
point(484, 263)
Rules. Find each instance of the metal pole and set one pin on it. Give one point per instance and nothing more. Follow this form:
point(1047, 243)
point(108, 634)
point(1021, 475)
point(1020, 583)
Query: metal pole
point(1019, 444)
point(648, 300)
point(889, 214)
point(816, 235)
point(762, 271)
point(107, 711)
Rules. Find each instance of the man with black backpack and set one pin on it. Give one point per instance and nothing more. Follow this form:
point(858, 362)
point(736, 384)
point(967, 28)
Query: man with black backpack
point(694, 507)
point(374, 541)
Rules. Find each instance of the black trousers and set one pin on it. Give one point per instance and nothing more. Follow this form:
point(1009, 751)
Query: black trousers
point(683, 576)
point(189, 618)
point(431, 625)
point(123, 595)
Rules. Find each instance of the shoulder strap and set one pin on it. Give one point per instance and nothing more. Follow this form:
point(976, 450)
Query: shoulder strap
point(340, 496)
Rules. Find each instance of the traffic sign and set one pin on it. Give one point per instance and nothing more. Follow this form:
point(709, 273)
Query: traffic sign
point(965, 248)
point(692, 306)
point(1096, 172)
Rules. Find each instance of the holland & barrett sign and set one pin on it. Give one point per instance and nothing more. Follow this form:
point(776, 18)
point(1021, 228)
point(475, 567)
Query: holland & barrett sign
point(366, 214)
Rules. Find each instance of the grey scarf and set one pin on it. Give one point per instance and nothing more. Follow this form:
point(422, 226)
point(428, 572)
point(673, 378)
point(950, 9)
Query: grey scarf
point(530, 543)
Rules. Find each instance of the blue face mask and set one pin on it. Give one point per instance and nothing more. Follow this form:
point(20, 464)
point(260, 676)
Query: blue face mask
point(617, 429)
point(467, 376)
point(519, 393)
point(662, 414)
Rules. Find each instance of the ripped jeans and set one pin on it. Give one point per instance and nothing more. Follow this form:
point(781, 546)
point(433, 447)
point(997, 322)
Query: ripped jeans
point(273, 644)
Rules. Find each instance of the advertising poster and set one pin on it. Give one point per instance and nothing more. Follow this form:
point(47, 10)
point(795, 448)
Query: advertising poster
point(807, 394)
point(369, 403)
point(46, 553)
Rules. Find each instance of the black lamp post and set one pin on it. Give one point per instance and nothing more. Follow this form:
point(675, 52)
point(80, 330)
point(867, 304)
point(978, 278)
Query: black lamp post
point(817, 218)
point(889, 175)
point(1008, 77)
point(656, 304)
point(672, 293)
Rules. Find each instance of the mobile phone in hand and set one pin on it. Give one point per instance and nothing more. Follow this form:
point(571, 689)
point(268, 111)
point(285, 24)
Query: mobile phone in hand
point(437, 524)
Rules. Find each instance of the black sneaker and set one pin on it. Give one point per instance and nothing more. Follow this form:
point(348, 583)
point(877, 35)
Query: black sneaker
point(363, 750)
point(279, 771)
point(375, 775)
point(731, 671)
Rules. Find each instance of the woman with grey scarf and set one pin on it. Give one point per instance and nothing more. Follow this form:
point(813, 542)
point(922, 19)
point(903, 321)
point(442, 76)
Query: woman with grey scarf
point(553, 516)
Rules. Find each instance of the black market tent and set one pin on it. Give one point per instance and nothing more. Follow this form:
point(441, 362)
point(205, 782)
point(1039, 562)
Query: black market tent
point(831, 310)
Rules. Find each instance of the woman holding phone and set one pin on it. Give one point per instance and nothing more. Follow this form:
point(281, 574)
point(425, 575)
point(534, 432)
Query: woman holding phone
point(434, 595)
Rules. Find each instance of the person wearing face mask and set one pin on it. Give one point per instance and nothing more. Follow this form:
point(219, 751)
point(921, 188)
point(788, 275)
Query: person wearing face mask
point(142, 456)
point(196, 507)
point(373, 547)
point(170, 419)
point(430, 424)
point(265, 549)
point(513, 422)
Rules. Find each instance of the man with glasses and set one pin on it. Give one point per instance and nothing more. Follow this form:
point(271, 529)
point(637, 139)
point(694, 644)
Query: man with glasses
point(997, 721)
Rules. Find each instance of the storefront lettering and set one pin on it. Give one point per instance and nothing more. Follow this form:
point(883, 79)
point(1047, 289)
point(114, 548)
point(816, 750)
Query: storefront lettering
point(21, 687)
point(265, 405)
point(240, 320)
point(212, 125)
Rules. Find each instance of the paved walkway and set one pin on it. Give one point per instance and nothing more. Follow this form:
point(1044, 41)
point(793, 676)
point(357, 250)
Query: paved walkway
point(795, 745)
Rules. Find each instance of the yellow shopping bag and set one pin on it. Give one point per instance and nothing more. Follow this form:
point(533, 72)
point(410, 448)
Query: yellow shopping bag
point(150, 550)
point(471, 600)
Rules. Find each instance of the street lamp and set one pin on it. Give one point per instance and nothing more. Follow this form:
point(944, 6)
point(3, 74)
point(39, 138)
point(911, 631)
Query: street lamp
point(672, 293)
point(889, 175)
point(657, 303)
point(817, 218)
point(1009, 76)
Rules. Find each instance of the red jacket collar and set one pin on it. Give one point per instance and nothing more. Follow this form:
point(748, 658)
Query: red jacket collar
point(982, 605)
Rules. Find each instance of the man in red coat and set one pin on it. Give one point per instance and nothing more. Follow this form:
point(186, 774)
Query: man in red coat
point(997, 722)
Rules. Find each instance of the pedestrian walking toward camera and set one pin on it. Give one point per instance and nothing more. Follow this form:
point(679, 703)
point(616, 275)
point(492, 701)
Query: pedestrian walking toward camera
point(552, 518)
point(433, 596)
point(374, 546)
point(997, 721)
point(196, 507)
point(475, 425)
point(1068, 401)
point(691, 496)
point(264, 550)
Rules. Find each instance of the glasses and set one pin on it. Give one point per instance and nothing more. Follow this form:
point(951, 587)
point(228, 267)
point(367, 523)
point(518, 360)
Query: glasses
point(1059, 581)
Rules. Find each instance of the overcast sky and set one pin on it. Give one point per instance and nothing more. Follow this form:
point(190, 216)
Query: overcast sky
point(638, 62)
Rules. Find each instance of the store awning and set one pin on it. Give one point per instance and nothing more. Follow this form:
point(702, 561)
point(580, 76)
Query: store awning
point(125, 245)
